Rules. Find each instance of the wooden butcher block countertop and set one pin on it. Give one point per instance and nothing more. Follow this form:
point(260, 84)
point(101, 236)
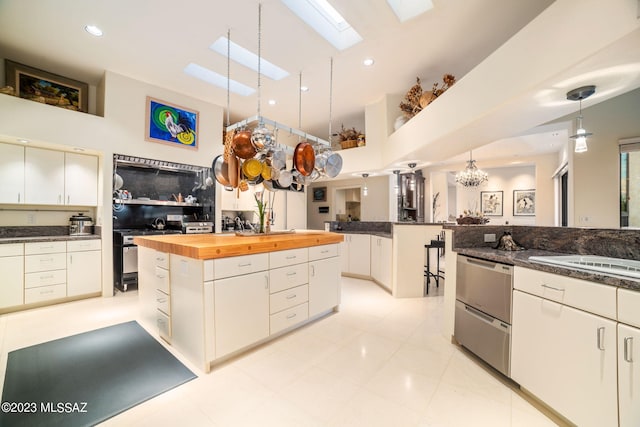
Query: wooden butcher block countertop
point(210, 246)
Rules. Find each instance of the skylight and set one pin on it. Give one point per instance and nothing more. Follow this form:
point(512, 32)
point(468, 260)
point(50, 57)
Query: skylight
point(247, 58)
point(326, 21)
point(407, 9)
point(216, 79)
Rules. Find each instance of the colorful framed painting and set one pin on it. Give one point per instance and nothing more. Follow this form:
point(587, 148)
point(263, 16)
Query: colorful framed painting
point(524, 202)
point(491, 203)
point(171, 124)
point(47, 88)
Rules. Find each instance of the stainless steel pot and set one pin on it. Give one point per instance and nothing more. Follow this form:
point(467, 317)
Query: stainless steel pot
point(80, 225)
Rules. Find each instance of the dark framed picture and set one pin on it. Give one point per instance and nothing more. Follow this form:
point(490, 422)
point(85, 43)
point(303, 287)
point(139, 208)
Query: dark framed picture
point(524, 202)
point(171, 124)
point(491, 203)
point(320, 194)
point(47, 88)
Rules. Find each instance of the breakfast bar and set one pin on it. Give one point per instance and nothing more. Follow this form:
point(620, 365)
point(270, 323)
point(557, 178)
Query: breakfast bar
point(215, 296)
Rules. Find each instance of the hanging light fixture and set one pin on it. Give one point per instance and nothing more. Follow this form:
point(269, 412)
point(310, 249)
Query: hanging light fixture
point(365, 190)
point(581, 134)
point(471, 176)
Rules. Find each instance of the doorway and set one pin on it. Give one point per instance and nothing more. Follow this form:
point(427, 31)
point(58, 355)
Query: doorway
point(347, 202)
point(564, 199)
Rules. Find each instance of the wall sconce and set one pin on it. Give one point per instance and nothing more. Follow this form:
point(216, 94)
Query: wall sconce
point(581, 134)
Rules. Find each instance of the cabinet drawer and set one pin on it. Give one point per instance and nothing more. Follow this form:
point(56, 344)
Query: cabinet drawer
point(324, 251)
point(45, 293)
point(629, 307)
point(288, 277)
point(289, 298)
point(239, 265)
point(163, 303)
point(161, 259)
point(164, 325)
point(287, 318)
point(45, 278)
point(288, 257)
point(84, 245)
point(45, 262)
point(12, 249)
point(44, 247)
point(162, 280)
point(592, 297)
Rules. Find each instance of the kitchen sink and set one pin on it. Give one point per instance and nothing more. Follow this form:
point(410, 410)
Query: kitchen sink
point(618, 267)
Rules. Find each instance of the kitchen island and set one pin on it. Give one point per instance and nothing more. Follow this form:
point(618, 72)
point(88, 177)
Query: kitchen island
point(214, 296)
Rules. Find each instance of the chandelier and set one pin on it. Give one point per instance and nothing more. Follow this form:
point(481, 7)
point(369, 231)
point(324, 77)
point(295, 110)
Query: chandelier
point(471, 176)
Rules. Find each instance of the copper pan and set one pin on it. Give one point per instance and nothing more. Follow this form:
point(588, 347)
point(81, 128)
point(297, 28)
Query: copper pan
point(233, 169)
point(242, 146)
point(304, 158)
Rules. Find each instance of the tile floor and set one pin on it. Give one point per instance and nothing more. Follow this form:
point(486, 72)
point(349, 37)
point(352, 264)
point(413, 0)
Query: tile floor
point(380, 361)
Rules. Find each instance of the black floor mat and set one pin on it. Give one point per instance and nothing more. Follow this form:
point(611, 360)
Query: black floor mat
point(87, 378)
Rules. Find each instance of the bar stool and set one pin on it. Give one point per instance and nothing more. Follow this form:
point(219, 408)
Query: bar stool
point(439, 274)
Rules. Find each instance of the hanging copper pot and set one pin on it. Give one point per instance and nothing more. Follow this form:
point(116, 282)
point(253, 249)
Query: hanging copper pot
point(304, 158)
point(233, 170)
point(242, 146)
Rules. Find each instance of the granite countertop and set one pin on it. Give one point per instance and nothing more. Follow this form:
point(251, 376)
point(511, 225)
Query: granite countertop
point(59, 238)
point(370, 232)
point(521, 259)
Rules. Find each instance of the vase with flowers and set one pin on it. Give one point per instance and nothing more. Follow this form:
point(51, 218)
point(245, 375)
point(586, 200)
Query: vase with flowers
point(262, 210)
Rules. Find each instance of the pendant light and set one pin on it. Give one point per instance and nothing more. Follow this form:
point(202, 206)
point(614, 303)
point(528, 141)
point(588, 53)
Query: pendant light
point(365, 190)
point(581, 134)
point(471, 176)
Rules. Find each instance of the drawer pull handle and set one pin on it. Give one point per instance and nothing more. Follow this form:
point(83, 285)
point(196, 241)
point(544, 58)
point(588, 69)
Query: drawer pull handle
point(600, 338)
point(326, 251)
point(160, 276)
point(48, 276)
point(161, 300)
point(160, 259)
point(551, 287)
point(293, 273)
point(291, 296)
point(46, 291)
point(291, 257)
point(291, 316)
point(313, 271)
point(244, 265)
point(628, 349)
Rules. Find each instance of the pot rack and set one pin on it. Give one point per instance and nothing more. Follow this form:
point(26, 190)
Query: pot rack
point(277, 126)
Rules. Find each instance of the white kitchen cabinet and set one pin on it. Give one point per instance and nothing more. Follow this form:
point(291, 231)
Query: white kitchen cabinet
point(381, 257)
point(84, 267)
point(238, 200)
point(12, 268)
point(566, 357)
point(11, 173)
point(356, 254)
point(324, 285)
point(44, 176)
point(80, 180)
point(628, 375)
point(241, 310)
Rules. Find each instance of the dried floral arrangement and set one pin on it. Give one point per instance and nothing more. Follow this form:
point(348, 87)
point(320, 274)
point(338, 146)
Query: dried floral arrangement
point(470, 217)
point(416, 99)
point(350, 138)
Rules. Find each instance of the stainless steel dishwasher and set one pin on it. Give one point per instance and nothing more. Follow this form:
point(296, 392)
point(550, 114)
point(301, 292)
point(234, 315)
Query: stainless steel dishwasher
point(483, 310)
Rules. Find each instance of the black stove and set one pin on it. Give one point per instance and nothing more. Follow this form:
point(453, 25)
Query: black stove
point(124, 236)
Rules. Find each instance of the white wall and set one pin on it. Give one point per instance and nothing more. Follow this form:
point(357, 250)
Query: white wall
point(373, 207)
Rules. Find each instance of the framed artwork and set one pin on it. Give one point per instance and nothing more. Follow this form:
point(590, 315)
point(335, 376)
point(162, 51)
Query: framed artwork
point(47, 88)
point(320, 194)
point(491, 203)
point(171, 124)
point(524, 202)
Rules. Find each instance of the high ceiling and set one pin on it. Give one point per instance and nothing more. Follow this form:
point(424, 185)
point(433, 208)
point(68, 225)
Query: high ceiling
point(152, 41)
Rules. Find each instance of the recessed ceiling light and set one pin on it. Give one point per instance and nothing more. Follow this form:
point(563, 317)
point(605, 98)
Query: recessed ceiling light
point(272, 102)
point(406, 10)
point(304, 89)
point(247, 58)
point(78, 149)
point(24, 141)
point(326, 21)
point(368, 62)
point(93, 30)
point(216, 79)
